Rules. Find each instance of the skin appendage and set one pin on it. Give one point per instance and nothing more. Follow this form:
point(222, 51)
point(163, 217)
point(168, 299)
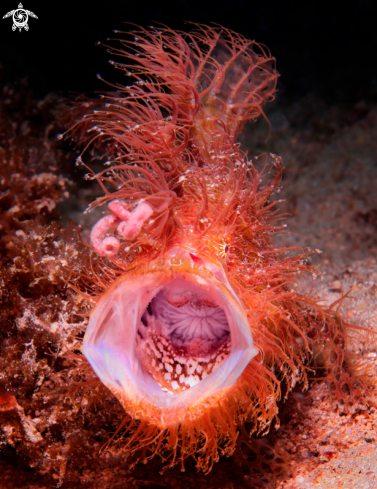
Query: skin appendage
point(128, 225)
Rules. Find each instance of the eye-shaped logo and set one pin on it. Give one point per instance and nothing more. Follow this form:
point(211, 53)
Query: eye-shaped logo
point(20, 17)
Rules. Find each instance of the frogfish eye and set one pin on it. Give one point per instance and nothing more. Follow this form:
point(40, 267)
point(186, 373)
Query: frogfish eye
point(168, 339)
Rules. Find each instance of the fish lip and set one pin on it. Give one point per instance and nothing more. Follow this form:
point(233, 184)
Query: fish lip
point(112, 352)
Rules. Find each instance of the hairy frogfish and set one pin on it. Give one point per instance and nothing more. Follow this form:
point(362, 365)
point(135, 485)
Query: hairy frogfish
point(197, 326)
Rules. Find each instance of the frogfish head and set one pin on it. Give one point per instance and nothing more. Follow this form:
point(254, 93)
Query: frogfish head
point(197, 323)
point(170, 337)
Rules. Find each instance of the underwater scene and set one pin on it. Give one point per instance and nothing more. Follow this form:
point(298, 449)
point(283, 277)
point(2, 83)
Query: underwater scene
point(188, 248)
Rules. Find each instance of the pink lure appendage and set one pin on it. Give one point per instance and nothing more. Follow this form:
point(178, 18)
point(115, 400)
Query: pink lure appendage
point(128, 226)
point(119, 208)
point(105, 246)
point(131, 228)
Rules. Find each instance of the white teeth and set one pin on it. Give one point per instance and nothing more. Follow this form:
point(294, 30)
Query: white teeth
point(192, 380)
point(178, 372)
point(168, 367)
point(154, 349)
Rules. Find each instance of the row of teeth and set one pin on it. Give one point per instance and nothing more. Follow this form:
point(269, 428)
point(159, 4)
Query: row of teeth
point(176, 373)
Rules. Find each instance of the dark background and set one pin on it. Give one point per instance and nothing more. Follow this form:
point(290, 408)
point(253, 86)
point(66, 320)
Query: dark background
point(326, 48)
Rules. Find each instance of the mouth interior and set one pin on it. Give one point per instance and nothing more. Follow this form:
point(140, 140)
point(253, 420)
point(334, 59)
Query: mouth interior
point(183, 336)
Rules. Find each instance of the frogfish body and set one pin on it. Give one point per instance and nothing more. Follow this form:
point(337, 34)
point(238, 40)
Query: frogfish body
point(198, 325)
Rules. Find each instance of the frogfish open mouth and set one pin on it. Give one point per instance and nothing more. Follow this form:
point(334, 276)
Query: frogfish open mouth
point(197, 326)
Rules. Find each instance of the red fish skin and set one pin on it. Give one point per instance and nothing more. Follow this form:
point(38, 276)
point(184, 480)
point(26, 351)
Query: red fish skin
point(179, 185)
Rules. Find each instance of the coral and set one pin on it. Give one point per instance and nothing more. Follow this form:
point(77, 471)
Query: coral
point(40, 318)
point(31, 185)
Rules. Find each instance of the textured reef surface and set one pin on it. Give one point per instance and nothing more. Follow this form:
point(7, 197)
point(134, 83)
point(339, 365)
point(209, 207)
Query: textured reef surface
point(55, 416)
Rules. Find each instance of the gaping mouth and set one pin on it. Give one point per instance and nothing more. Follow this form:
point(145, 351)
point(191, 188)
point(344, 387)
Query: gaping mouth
point(183, 336)
point(170, 336)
